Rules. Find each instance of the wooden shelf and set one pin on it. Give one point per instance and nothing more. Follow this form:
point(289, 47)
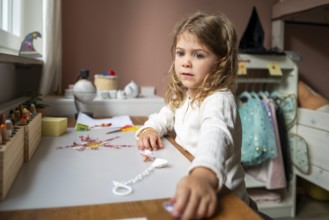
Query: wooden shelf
point(15, 59)
point(302, 11)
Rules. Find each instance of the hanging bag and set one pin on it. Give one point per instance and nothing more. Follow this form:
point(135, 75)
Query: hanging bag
point(257, 135)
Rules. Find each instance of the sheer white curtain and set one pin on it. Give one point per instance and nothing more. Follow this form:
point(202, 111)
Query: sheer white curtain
point(52, 48)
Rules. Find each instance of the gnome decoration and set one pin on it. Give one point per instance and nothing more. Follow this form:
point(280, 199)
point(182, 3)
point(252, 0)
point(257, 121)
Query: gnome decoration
point(253, 37)
point(27, 48)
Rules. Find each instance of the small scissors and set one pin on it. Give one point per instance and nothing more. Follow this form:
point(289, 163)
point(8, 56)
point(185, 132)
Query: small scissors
point(124, 128)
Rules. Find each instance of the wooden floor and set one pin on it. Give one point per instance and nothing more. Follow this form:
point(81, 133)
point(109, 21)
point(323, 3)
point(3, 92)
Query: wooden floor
point(309, 209)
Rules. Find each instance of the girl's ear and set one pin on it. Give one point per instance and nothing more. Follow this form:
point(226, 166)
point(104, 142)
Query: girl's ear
point(216, 65)
point(219, 60)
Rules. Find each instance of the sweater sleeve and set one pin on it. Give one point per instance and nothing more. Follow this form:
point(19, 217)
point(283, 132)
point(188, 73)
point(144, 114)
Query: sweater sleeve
point(216, 143)
point(162, 122)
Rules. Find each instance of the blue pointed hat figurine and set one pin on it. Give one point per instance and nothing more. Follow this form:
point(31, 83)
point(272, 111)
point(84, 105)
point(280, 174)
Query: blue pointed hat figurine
point(27, 48)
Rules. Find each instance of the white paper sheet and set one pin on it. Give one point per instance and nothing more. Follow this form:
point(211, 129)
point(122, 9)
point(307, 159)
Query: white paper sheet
point(116, 122)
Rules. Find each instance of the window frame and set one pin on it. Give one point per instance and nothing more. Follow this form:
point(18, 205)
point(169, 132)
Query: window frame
point(26, 18)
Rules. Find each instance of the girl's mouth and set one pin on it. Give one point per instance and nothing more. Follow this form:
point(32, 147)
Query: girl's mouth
point(187, 74)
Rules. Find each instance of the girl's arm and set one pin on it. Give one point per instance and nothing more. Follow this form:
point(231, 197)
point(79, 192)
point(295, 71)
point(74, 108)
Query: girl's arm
point(196, 193)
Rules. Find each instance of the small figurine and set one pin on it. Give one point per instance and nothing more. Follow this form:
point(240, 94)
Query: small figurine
point(27, 114)
point(23, 120)
point(12, 116)
point(10, 127)
point(4, 133)
point(33, 110)
point(2, 118)
point(3, 129)
point(27, 48)
point(17, 115)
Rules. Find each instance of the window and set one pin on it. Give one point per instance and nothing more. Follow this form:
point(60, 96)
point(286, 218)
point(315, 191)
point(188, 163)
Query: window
point(17, 19)
point(10, 16)
point(10, 25)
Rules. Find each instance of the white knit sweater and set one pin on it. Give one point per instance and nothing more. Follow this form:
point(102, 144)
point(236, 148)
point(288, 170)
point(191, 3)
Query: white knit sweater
point(211, 133)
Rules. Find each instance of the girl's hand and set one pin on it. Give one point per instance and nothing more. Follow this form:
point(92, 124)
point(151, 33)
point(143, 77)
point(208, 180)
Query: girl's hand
point(195, 196)
point(149, 140)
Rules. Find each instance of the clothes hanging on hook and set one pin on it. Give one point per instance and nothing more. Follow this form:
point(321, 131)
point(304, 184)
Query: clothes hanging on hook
point(271, 172)
point(274, 168)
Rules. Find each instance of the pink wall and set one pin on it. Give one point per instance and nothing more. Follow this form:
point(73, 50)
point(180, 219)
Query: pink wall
point(133, 37)
point(311, 42)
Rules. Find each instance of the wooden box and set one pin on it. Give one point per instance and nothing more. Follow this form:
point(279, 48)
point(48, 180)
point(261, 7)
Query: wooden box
point(313, 127)
point(11, 161)
point(32, 136)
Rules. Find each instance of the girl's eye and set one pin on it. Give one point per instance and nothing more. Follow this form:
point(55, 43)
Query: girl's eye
point(199, 56)
point(179, 53)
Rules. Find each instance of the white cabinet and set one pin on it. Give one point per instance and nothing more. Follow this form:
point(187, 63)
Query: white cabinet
point(142, 106)
point(258, 77)
point(313, 127)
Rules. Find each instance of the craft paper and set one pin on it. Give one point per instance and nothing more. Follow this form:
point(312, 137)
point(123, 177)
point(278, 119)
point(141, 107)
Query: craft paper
point(116, 122)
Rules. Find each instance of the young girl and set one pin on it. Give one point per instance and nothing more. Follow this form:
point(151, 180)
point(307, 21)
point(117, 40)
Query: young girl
point(201, 109)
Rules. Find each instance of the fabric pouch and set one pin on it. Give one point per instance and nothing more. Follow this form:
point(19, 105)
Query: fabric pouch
point(288, 104)
point(255, 137)
point(299, 153)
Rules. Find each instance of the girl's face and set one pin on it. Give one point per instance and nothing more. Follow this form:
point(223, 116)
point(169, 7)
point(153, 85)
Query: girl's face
point(193, 61)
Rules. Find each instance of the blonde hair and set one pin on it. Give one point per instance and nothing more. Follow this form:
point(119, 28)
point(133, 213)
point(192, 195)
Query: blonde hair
point(217, 33)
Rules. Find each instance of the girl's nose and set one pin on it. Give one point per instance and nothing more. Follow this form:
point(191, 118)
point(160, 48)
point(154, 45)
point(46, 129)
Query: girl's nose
point(187, 62)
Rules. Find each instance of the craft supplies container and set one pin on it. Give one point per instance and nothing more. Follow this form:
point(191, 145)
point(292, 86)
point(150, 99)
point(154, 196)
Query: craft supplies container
point(32, 136)
point(11, 161)
point(106, 82)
